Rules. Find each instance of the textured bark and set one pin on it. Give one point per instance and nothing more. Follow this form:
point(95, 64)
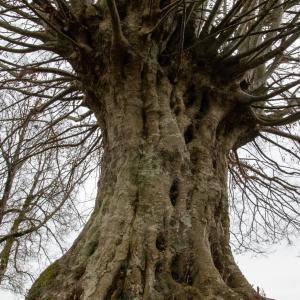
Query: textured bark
point(160, 229)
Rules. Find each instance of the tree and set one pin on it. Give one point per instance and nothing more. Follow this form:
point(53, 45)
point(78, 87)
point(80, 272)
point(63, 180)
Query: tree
point(39, 181)
point(183, 93)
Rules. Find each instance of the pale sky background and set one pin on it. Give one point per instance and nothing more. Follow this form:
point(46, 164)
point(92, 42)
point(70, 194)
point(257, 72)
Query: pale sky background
point(277, 273)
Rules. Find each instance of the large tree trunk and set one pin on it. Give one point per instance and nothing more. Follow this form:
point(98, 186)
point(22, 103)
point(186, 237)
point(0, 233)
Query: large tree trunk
point(160, 228)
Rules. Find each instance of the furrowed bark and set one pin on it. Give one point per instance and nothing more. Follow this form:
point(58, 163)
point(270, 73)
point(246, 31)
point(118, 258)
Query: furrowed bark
point(160, 229)
point(176, 88)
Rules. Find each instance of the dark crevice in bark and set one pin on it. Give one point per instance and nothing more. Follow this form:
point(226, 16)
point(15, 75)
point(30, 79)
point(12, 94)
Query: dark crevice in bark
point(135, 203)
point(194, 156)
point(144, 116)
point(245, 85)
point(125, 60)
point(189, 134)
point(189, 199)
point(91, 247)
point(190, 96)
point(218, 211)
point(158, 271)
point(163, 3)
point(176, 104)
point(175, 269)
point(174, 192)
point(214, 164)
point(204, 105)
point(181, 268)
point(177, 110)
point(144, 110)
point(143, 277)
point(79, 272)
point(160, 286)
point(217, 259)
point(76, 295)
point(172, 76)
point(122, 10)
point(161, 243)
point(173, 102)
point(116, 290)
point(205, 209)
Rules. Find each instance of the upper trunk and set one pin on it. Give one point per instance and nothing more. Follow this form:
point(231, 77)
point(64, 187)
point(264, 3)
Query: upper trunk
point(160, 229)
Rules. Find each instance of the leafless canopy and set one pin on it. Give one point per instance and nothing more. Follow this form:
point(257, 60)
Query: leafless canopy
point(50, 141)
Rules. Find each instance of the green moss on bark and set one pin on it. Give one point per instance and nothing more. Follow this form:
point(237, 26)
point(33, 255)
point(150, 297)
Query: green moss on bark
point(46, 279)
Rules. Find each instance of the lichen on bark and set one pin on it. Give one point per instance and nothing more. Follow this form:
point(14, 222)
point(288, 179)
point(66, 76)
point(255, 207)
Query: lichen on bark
point(160, 228)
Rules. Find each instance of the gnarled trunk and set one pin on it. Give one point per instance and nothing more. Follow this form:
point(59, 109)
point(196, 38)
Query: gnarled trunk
point(160, 228)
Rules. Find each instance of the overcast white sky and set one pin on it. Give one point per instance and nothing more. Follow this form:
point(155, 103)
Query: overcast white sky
point(278, 273)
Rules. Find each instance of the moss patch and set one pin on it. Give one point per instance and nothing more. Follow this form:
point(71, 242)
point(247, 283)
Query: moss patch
point(46, 280)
